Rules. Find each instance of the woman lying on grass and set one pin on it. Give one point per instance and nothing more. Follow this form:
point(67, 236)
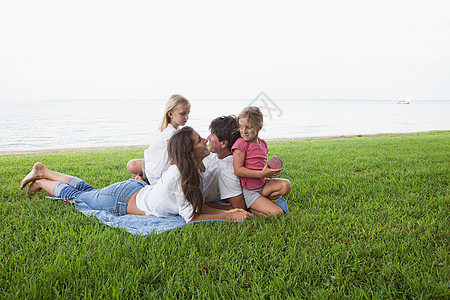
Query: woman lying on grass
point(178, 192)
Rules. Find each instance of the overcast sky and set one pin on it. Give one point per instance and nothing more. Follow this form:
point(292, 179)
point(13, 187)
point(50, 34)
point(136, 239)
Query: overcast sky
point(91, 49)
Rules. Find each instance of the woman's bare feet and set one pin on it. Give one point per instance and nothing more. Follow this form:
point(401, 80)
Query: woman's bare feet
point(33, 188)
point(37, 172)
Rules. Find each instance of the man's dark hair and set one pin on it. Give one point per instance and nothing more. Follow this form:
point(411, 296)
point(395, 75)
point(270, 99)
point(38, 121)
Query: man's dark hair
point(226, 129)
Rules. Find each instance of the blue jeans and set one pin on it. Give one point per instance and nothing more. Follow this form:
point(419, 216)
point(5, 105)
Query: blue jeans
point(113, 198)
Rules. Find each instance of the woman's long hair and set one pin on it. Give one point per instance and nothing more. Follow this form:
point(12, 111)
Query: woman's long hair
point(180, 153)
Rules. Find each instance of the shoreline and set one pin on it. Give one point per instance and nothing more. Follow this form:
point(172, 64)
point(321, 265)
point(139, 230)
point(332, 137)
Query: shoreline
point(103, 148)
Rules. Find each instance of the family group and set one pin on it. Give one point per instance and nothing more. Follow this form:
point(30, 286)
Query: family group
point(180, 175)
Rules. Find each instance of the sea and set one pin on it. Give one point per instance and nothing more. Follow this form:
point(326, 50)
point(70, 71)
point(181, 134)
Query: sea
point(63, 124)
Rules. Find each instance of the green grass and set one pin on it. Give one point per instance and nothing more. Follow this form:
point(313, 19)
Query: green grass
point(369, 218)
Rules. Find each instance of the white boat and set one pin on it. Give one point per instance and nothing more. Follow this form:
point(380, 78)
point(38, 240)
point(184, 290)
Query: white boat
point(404, 101)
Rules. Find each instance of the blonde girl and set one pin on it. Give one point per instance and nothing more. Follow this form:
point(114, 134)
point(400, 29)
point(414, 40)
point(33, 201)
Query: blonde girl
point(258, 181)
point(155, 161)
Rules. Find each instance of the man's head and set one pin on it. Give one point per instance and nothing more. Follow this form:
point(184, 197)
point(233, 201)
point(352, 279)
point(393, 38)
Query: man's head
point(224, 132)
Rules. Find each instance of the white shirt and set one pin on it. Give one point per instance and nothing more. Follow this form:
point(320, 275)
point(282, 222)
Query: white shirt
point(211, 178)
point(229, 184)
point(156, 157)
point(166, 198)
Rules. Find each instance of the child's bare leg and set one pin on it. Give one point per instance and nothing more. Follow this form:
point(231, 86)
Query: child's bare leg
point(264, 206)
point(135, 166)
point(276, 187)
point(46, 184)
point(39, 171)
point(256, 213)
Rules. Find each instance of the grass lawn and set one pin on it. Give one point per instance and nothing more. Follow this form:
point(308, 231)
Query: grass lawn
point(369, 218)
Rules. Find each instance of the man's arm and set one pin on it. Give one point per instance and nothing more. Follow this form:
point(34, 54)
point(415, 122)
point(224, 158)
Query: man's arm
point(232, 215)
point(237, 201)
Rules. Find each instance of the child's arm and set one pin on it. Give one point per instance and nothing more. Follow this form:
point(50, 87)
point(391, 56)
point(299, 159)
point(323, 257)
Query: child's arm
point(241, 171)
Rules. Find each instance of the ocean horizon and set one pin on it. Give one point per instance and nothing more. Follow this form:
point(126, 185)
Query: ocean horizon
point(66, 124)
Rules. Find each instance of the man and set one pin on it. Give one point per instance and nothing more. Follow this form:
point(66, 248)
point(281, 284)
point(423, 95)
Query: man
point(224, 132)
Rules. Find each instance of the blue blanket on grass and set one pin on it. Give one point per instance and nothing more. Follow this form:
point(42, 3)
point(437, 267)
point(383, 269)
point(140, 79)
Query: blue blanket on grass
point(144, 225)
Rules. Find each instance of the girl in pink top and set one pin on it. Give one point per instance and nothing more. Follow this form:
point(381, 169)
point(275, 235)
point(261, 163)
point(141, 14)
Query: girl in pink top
point(259, 182)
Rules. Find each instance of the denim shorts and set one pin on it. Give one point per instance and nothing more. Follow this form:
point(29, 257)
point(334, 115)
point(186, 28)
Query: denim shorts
point(113, 198)
point(250, 196)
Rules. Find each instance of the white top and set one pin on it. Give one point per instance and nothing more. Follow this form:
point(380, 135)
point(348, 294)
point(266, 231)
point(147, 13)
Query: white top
point(229, 184)
point(166, 198)
point(211, 178)
point(156, 157)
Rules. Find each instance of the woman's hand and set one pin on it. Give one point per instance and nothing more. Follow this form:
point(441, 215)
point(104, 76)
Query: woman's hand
point(237, 214)
point(266, 172)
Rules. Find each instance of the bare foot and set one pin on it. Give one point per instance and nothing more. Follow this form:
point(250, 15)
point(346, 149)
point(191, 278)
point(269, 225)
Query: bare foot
point(36, 173)
point(33, 188)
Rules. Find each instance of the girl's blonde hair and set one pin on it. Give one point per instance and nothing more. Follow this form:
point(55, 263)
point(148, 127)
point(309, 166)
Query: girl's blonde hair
point(254, 114)
point(175, 102)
